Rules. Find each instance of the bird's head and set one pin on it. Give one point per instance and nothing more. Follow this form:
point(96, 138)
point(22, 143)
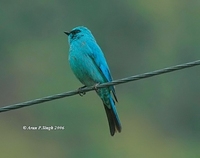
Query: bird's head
point(79, 32)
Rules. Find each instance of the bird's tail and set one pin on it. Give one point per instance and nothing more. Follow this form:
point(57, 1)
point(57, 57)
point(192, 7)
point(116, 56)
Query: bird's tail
point(113, 119)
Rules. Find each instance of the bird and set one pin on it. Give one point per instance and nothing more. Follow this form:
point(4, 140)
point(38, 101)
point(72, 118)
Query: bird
point(89, 65)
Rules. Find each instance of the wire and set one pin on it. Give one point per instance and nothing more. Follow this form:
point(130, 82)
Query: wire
point(87, 89)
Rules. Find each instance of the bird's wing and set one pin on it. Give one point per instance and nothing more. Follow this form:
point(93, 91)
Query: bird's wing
point(100, 62)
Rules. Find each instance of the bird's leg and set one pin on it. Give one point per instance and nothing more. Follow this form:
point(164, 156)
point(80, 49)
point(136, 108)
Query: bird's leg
point(81, 93)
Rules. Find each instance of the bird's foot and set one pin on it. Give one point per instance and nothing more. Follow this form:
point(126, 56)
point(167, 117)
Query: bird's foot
point(95, 86)
point(81, 93)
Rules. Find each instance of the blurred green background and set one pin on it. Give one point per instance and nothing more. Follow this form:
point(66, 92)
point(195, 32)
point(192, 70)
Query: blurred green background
point(160, 115)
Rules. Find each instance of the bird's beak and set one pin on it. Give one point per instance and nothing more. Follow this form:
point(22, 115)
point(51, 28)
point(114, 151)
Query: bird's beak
point(67, 33)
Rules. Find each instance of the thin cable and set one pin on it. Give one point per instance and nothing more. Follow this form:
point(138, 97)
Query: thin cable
point(87, 89)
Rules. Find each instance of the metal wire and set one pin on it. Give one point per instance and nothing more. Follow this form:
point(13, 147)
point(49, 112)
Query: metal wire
point(84, 90)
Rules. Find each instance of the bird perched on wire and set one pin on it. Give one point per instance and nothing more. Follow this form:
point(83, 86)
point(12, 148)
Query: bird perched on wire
point(89, 65)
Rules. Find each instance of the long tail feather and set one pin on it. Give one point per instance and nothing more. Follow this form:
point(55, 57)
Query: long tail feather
point(113, 119)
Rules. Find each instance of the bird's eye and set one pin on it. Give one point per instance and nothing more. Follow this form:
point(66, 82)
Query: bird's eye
point(75, 31)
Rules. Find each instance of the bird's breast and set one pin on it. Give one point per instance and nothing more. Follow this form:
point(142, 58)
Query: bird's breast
point(84, 68)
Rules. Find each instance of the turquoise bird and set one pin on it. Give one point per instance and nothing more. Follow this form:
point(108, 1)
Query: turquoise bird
point(89, 65)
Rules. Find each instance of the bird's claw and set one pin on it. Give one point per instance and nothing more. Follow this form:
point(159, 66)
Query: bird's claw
point(81, 93)
point(95, 86)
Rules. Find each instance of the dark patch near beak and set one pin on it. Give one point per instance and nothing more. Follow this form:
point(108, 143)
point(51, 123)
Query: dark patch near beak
point(67, 33)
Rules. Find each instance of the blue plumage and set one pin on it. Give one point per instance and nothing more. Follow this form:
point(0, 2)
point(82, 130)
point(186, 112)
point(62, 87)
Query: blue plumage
point(89, 65)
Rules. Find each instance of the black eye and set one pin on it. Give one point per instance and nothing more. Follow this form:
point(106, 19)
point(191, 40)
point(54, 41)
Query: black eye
point(75, 31)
